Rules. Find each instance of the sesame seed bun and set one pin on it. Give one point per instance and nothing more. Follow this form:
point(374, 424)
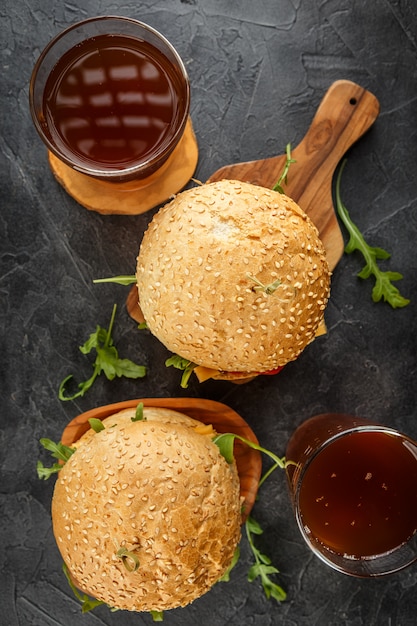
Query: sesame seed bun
point(234, 277)
point(156, 493)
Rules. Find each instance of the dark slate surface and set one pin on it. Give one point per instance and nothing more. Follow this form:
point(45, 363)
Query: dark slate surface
point(258, 72)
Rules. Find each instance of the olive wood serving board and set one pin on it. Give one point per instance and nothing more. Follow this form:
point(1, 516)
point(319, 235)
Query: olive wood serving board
point(346, 112)
point(222, 417)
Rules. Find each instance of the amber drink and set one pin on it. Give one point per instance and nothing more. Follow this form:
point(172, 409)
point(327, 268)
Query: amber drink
point(354, 490)
point(110, 98)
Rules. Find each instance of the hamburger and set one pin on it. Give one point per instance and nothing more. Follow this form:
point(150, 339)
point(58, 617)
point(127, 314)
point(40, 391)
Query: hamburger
point(233, 278)
point(146, 512)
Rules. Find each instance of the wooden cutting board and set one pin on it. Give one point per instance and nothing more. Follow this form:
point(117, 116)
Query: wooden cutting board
point(346, 112)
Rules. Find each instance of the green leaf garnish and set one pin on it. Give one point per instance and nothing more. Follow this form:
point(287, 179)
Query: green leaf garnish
point(119, 280)
point(262, 567)
point(87, 603)
point(58, 451)
point(107, 361)
point(181, 364)
point(157, 616)
point(284, 175)
point(129, 559)
point(268, 289)
point(96, 424)
point(225, 443)
point(226, 576)
point(383, 288)
point(46, 472)
point(271, 288)
point(139, 417)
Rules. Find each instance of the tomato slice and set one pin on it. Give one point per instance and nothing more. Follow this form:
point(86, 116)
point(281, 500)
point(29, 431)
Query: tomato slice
point(273, 372)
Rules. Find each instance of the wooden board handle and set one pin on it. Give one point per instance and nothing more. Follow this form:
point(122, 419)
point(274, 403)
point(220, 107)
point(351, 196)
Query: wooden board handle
point(346, 112)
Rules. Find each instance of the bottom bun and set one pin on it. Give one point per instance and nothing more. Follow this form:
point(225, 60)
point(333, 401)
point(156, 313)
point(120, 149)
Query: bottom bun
point(147, 513)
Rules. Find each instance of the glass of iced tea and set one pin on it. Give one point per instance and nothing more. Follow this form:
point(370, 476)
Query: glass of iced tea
point(110, 98)
point(353, 485)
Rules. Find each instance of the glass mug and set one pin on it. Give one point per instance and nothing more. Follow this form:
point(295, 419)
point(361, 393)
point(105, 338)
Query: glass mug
point(110, 98)
point(353, 485)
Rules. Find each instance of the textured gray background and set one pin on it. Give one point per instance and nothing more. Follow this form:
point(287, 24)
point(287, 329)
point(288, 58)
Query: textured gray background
point(258, 72)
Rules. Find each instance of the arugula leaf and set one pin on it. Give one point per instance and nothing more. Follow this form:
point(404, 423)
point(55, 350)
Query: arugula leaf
point(107, 361)
point(157, 616)
point(226, 576)
point(225, 442)
point(87, 603)
point(139, 416)
point(46, 472)
point(128, 369)
point(262, 567)
point(100, 336)
point(383, 288)
point(284, 175)
point(129, 559)
point(268, 289)
point(96, 424)
point(58, 451)
point(120, 280)
point(181, 364)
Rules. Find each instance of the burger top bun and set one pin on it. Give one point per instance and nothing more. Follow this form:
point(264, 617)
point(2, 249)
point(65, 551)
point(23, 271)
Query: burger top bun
point(233, 276)
point(146, 514)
